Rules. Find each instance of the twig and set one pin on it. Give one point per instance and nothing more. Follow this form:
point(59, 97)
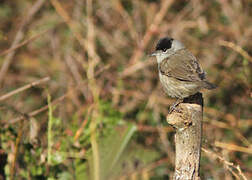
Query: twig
point(76, 74)
point(146, 128)
point(236, 48)
point(127, 18)
point(83, 124)
point(37, 111)
point(5, 96)
point(17, 143)
point(232, 147)
point(19, 36)
point(26, 42)
point(152, 28)
point(73, 27)
point(56, 101)
point(227, 163)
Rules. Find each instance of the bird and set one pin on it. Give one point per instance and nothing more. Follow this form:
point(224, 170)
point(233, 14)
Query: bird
point(179, 71)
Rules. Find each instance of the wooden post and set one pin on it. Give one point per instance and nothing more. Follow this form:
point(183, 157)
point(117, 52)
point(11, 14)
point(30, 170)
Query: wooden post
point(187, 120)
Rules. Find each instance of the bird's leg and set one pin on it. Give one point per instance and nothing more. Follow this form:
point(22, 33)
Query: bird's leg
point(174, 105)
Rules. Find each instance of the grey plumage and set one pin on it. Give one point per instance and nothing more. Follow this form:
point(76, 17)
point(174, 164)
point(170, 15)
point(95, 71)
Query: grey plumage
point(179, 71)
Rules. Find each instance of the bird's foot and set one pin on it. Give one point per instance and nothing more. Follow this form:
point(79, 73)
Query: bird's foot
point(174, 105)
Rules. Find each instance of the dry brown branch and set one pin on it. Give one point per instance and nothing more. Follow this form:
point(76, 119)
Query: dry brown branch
point(83, 124)
point(166, 145)
point(226, 163)
point(76, 74)
point(232, 147)
point(26, 41)
point(146, 128)
point(56, 101)
point(234, 124)
point(236, 48)
point(73, 25)
point(17, 143)
point(187, 120)
point(127, 18)
point(37, 111)
point(19, 36)
point(5, 96)
point(134, 60)
point(137, 66)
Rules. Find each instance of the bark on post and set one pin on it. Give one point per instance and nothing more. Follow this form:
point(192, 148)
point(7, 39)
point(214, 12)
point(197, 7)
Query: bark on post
point(187, 120)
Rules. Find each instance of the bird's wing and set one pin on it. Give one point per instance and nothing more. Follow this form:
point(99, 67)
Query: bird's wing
point(182, 66)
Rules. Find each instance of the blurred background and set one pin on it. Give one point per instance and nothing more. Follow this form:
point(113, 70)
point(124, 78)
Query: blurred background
point(91, 105)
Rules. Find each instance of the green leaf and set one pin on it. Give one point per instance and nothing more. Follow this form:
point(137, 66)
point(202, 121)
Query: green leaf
point(122, 145)
point(81, 170)
point(65, 176)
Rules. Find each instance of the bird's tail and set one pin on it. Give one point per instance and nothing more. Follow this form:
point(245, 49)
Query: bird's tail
point(209, 85)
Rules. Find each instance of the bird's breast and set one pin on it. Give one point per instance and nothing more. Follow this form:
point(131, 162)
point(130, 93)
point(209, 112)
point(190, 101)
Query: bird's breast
point(176, 88)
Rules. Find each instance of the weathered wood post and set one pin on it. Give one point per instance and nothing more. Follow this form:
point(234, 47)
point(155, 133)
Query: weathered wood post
point(187, 120)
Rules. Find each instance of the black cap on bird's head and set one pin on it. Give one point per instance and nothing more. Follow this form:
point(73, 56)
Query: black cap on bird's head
point(164, 44)
point(167, 46)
